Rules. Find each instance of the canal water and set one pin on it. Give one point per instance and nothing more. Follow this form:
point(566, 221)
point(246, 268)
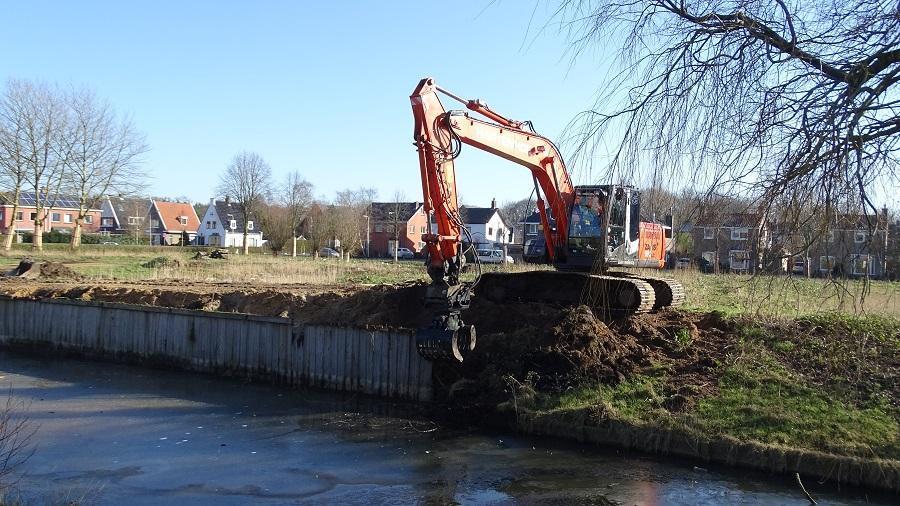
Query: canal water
point(112, 434)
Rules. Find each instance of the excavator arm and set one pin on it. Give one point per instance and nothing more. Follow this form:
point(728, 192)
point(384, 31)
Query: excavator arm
point(438, 137)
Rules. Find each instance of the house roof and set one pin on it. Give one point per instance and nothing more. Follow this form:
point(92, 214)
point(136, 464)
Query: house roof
point(169, 212)
point(55, 200)
point(230, 211)
point(480, 215)
point(123, 207)
point(381, 211)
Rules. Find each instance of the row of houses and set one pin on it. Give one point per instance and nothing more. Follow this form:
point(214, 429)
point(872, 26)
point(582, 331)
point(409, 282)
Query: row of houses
point(853, 245)
point(162, 222)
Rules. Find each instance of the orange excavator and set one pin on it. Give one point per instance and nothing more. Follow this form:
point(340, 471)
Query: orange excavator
point(586, 230)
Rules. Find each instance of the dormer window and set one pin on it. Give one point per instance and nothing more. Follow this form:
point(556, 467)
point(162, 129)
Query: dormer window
point(232, 224)
point(249, 225)
point(182, 220)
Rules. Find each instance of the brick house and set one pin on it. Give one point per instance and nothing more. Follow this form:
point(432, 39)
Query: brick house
point(852, 245)
point(172, 223)
point(60, 212)
point(734, 244)
point(404, 222)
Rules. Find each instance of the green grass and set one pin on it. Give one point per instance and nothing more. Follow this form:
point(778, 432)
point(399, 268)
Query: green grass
point(822, 382)
point(762, 401)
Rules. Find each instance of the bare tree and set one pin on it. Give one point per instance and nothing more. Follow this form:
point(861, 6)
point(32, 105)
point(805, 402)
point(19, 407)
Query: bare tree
point(44, 126)
point(346, 217)
point(103, 155)
point(296, 196)
point(276, 222)
point(515, 212)
point(760, 97)
point(13, 163)
point(15, 441)
point(247, 180)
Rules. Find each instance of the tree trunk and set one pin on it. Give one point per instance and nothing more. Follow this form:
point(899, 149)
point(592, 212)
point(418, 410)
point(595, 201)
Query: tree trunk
point(75, 243)
point(37, 242)
point(11, 231)
point(246, 244)
point(293, 246)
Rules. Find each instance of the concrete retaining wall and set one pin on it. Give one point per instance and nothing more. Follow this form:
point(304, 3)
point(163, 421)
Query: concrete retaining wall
point(383, 363)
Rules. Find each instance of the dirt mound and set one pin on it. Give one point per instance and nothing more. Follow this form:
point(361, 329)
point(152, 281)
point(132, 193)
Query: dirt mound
point(158, 262)
point(29, 269)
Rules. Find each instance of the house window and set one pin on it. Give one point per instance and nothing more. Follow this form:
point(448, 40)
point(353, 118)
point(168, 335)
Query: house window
point(389, 229)
point(531, 228)
point(67, 218)
point(19, 215)
point(89, 219)
point(709, 232)
point(56, 217)
point(32, 216)
point(500, 233)
point(106, 222)
point(135, 220)
point(490, 230)
point(740, 234)
point(412, 229)
point(232, 224)
point(208, 224)
point(250, 225)
point(826, 263)
point(859, 237)
point(154, 223)
point(422, 230)
point(861, 264)
point(379, 228)
point(739, 260)
point(830, 236)
point(709, 256)
point(182, 220)
point(214, 224)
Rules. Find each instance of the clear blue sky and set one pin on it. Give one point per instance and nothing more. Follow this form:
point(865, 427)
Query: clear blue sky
point(320, 87)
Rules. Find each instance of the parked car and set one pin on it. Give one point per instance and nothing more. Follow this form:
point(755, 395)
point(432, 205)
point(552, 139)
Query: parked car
point(683, 263)
point(405, 253)
point(109, 243)
point(492, 256)
point(329, 253)
point(798, 267)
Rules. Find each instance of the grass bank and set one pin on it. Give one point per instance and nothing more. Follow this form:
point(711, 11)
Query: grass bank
point(823, 386)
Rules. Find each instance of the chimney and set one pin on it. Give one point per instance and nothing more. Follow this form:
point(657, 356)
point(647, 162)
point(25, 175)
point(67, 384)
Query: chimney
point(494, 203)
point(227, 200)
point(212, 201)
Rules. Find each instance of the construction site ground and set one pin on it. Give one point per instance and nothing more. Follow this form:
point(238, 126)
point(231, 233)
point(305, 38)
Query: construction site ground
point(826, 382)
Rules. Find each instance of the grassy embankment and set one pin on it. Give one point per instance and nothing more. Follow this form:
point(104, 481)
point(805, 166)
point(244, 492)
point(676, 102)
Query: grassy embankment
point(812, 363)
point(825, 382)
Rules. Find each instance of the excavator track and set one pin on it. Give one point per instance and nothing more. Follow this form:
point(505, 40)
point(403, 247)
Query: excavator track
point(612, 295)
point(668, 292)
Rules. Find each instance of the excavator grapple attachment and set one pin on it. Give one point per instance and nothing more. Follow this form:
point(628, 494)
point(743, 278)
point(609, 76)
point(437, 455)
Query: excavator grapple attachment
point(438, 343)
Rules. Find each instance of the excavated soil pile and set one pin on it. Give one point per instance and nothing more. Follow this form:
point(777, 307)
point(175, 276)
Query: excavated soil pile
point(28, 269)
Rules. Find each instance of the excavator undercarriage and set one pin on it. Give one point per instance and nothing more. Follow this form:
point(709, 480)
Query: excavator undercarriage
point(614, 294)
